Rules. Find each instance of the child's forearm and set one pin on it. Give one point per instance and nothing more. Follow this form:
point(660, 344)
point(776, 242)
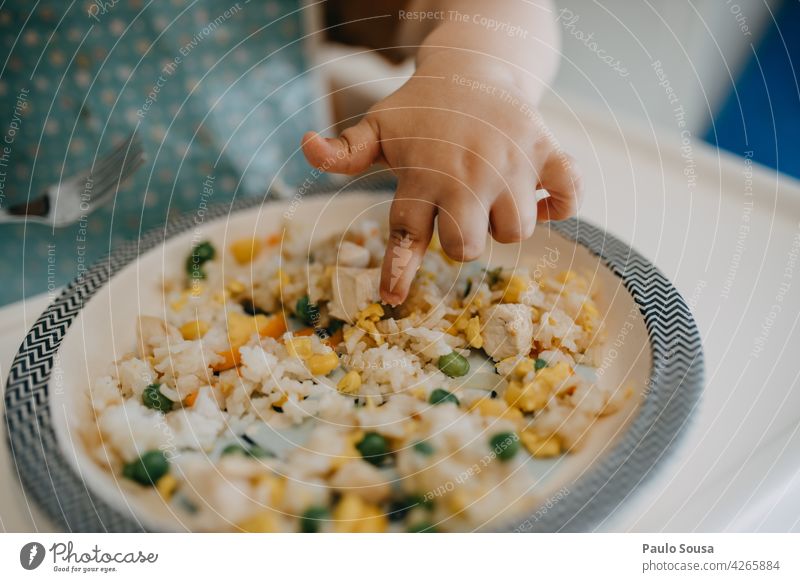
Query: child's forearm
point(509, 37)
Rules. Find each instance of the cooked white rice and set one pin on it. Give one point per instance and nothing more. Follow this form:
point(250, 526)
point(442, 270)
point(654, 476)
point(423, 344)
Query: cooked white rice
point(264, 429)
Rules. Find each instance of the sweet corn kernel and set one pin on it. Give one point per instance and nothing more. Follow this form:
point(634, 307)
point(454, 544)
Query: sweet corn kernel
point(496, 408)
point(534, 395)
point(192, 330)
point(235, 287)
point(371, 312)
point(588, 316)
point(372, 330)
point(245, 250)
point(566, 276)
point(355, 437)
point(527, 397)
point(539, 447)
point(354, 515)
point(348, 333)
point(166, 486)
point(457, 502)
point(299, 347)
point(460, 323)
point(275, 485)
point(323, 364)
point(368, 326)
point(515, 287)
point(350, 383)
point(571, 277)
point(550, 378)
point(263, 522)
point(524, 366)
point(240, 328)
point(473, 333)
point(419, 393)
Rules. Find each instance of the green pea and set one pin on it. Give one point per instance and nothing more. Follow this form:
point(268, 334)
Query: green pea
point(493, 276)
point(148, 468)
point(441, 395)
point(539, 364)
point(505, 445)
point(306, 311)
point(398, 509)
point(234, 449)
point(422, 527)
point(425, 448)
point(153, 398)
point(374, 448)
point(453, 364)
point(201, 253)
point(310, 520)
point(204, 251)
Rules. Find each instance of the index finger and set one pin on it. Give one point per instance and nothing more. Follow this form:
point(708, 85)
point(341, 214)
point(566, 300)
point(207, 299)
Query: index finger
point(411, 228)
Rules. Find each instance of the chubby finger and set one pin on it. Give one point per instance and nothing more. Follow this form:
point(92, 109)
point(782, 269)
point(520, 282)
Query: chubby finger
point(563, 182)
point(513, 216)
point(351, 153)
point(463, 226)
point(410, 231)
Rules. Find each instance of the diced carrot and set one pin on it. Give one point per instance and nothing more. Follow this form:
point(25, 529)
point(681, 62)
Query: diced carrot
point(336, 338)
point(303, 332)
point(273, 326)
point(239, 332)
point(190, 400)
point(232, 358)
point(273, 239)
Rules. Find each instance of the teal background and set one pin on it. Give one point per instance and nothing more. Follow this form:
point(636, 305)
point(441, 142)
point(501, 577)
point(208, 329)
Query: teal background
point(233, 106)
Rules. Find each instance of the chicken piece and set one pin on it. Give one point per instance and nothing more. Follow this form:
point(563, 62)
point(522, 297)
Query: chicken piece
point(352, 255)
point(353, 290)
point(154, 332)
point(507, 330)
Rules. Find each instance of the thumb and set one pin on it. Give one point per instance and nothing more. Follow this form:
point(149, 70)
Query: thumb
point(351, 153)
point(562, 180)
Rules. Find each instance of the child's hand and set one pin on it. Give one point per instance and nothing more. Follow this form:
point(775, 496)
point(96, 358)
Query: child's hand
point(468, 146)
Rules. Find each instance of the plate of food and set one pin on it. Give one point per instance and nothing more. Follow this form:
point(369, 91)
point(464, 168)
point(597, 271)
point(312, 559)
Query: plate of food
point(236, 371)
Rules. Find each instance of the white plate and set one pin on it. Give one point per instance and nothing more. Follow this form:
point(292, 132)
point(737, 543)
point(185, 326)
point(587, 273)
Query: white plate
point(653, 347)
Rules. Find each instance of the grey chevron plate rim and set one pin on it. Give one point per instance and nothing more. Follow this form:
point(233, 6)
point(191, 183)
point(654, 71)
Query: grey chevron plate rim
point(677, 378)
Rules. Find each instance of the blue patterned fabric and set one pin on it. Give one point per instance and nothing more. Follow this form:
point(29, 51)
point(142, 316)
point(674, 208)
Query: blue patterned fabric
point(213, 88)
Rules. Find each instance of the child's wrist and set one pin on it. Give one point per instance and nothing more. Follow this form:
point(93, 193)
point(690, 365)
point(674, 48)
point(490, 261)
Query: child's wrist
point(470, 67)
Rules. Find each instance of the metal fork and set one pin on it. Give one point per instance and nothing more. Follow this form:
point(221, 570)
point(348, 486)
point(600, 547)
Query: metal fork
point(79, 195)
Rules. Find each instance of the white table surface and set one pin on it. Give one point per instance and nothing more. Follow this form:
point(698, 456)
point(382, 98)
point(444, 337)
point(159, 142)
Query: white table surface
point(737, 468)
